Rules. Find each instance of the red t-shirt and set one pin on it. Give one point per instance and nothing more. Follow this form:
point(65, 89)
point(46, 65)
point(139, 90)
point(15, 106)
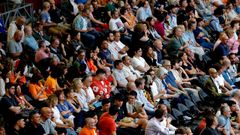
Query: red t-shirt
point(100, 88)
point(106, 124)
point(159, 28)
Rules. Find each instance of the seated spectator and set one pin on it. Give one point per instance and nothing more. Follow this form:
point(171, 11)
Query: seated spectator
point(89, 35)
point(224, 120)
point(150, 57)
point(89, 127)
point(211, 126)
point(176, 44)
point(29, 42)
point(138, 63)
point(39, 33)
point(34, 126)
point(23, 103)
point(144, 12)
point(14, 47)
point(106, 104)
point(122, 79)
point(159, 25)
point(14, 26)
point(47, 124)
point(105, 54)
point(76, 42)
point(81, 64)
point(154, 125)
point(140, 85)
point(117, 48)
point(128, 68)
point(153, 33)
point(55, 50)
point(18, 126)
point(125, 20)
point(232, 42)
point(99, 86)
point(222, 50)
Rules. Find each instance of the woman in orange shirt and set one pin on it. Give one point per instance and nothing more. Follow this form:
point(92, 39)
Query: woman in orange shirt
point(36, 88)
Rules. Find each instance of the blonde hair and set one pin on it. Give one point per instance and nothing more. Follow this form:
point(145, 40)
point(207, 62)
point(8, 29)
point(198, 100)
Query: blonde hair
point(230, 32)
point(75, 82)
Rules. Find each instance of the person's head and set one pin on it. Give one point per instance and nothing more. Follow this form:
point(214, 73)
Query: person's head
point(52, 3)
point(18, 36)
point(95, 4)
point(183, 56)
point(77, 84)
point(183, 131)
point(69, 93)
point(151, 21)
point(158, 44)
point(140, 83)
point(118, 99)
point(149, 51)
point(123, 11)
point(192, 25)
point(117, 36)
point(55, 42)
point(18, 122)
point(100, 74)
point(126, 60)
point(10, 88)
point(113, 111)
point(175, 64)
point(132, 97)
point(106, 105)
point(219, 68)
point(177, 31)
point(211, 120)
point(226, 63)
point(146, 4)
point(46, 113)
point(131, 86)
point(138, 52)
point(85, 12)
point(46, 5)
point(60, 95)
point(213, 72)
point(200, 22)
point(115, 14)
point(235, 24)
point(52, 100)
point(20, 21)
point(90, 123)
point(233, 106)
point(233, 58)
point(183, 3)
point(28, 30)
point(34, 117)
point(118, 64)
point(87, 80)
point(225, 110)
point(76, 35)
point(42, 44)
point(236, 95)
point(162, 17)
point(110, 37)
point(230, 33)
point(104, 45)
point(224, 39)
point(81, 54)
point(159, 114)
point(161, 73)
point(166, 64)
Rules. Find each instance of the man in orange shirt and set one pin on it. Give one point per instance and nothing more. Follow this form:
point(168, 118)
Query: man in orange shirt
point(89, 128)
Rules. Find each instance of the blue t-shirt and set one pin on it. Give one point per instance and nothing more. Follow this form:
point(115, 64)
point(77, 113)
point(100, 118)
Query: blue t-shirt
point(171, 79)
point(65, 107)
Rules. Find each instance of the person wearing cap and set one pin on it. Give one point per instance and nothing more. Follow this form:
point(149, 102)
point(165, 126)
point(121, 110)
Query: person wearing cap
point(18, 126)
point(154, 125)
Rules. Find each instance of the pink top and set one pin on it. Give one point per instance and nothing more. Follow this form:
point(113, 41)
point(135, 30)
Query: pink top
point(159, 28)
point(233, 45)
point(41, 54)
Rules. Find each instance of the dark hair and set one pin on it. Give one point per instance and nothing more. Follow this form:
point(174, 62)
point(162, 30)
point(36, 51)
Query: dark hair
point(74, 33)
point(231, 103)
point(189, 9)
point(113, 110)
point(36, 77)
point(105, 101)
point(139, 81)
point(9, 85)
point(32, 113)
point(123, 10)
point(209, 120)
point(90, 114)
point(58, 93)
point(190, 24)
point(100, 71)
point(116, 63)
point(217, 66)
point(158, 113)
point(233, 22)
point(119, 97)
point(133, 93)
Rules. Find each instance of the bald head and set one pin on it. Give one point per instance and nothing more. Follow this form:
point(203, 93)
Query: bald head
point(46, 112)
point(90, 123)
point(213, 72)
point(28, 30)
point(18, 36)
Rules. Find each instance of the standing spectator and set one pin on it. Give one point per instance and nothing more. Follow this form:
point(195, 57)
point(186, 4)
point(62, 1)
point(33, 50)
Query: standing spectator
point(107, 123)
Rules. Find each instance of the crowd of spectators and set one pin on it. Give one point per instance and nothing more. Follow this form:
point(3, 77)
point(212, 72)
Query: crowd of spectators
point(113, 67)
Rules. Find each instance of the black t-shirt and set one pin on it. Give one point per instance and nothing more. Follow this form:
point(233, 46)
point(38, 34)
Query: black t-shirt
point(6, 103)
point(32, 130)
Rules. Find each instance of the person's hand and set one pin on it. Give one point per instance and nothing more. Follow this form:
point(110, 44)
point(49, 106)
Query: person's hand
point(90, 29)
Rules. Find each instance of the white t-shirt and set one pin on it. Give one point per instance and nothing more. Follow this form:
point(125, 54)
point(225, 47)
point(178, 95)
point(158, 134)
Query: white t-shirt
point(57, 115)
point(115, 24)
point(115, 47)
point(138, 62)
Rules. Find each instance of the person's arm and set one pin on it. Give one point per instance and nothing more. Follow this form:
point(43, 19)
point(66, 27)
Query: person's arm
point(15, 109)
point(91, 17)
